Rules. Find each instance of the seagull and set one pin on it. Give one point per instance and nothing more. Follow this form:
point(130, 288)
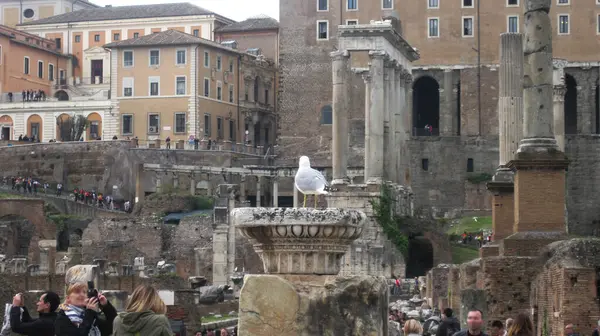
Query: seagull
point(310, 181)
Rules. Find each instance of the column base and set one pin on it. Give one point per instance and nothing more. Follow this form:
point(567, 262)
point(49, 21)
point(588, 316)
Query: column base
point(538, 146)
point(341, 181)
point(502, 181)
point(374, 180)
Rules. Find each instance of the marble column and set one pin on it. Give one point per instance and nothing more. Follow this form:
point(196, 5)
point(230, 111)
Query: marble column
point(192, 186)
point(388, 146)
point(243, 189)
point(341, 98)
point(448, 110)
point(408, 107)
point(398, 122)
point(275, 192)
point(559, 115)
point(510, 96)
point(539, 165)
point(258, 190)
point(374, 118)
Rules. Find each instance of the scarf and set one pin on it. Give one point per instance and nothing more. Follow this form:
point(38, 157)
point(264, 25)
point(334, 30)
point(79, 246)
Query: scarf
point(76, 314)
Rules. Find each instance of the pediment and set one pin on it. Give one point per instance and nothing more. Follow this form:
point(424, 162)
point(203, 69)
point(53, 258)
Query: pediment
point(95, 51)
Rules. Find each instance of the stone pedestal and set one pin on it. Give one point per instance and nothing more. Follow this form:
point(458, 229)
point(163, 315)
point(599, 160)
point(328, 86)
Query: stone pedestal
point(302, 295)
point(503, 214)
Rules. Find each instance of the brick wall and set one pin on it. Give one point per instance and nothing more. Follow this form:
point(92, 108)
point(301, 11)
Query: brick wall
point(454, 288)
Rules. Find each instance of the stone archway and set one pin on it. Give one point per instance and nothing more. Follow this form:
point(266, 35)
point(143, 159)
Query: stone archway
point(570, 105)
point(6, 127)
point(62, 117)
point(34, 127)
point(61, 95)
point(33, 211)
point(426, 106)
point(94, 130)
point(425, 251)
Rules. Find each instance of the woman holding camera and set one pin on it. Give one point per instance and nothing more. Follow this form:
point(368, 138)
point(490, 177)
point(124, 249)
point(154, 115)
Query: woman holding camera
point(80, 315)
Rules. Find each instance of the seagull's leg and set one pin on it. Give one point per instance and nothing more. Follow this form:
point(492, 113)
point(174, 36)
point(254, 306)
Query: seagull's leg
point(316, 196)
point(304, 206)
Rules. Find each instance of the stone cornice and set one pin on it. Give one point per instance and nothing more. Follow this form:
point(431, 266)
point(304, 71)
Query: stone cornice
point(496, 187)
point(560, 164)
point(384, 29)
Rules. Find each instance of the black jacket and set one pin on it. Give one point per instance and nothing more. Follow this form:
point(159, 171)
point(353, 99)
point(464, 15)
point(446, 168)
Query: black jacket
point(64, 326)
point(44, 326)
point(460, 333)
point(449, 323)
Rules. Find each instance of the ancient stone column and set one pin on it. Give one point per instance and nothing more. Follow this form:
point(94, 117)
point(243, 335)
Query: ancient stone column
point(388, 145)
point(559, 115)
point(192, 186)
point(510, 96)
point(539, 165)
point(275, 192)
point(448, 110)
point(301, 251)
point(258, 189)
point(243, 189)
point(341, 92)
point(398, 121)
point(374, 119)
point(295, 195)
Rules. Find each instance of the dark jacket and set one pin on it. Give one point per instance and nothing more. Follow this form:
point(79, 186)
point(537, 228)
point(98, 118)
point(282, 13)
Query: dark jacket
point(465, 333)
point(44, 326)
point(449, 323)
point(64, 326)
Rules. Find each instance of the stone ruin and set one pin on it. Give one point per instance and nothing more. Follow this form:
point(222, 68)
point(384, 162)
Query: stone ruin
point(302, 293)
point(532, 266)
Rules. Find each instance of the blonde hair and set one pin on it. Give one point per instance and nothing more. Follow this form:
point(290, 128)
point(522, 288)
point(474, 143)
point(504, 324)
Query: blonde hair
point(413, 327)
point(145, 298)
point(76, 287)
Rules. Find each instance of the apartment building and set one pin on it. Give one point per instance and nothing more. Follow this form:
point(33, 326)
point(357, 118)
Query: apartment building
point(450, 93)
point(258, 35)
point(31, 63)
point(175, 85)
point(14, 12)
point(83, 34)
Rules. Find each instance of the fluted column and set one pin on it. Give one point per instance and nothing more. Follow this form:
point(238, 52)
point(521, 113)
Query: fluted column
point(398, 121)
point(374, 119)
point(341, 92)
point(510, 100)
point(559, 115)
point(275, 192)
point(390, 146)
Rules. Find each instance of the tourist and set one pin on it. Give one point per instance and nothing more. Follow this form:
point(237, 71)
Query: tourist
point(522, 326)
point(569, 330)
point(596, 332)
point(398, 284)
point(224, 332)
point(449, 325)
point(474, 324)
point(25, 325)
point(78, 315)
point(168, 142)
point(144, 315)
point(509, 322)
point(497, 328)
point(412, 327)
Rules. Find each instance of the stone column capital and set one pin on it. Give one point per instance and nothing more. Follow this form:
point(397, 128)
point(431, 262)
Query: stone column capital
point(339, 55)
point(378, 54)
point(559, 93)
point(366, 76)
point(559, 63)
point(275, 178)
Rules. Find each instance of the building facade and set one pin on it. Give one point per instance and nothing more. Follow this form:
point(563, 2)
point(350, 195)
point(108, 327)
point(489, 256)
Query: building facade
point(258, 35)
point(451, 94)
point(83, 34)
point(14, 12)
point(174, 85)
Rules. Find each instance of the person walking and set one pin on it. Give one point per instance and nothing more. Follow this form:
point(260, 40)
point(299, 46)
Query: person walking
point(25, 325)
point(474, 325)
point(79, 315)
point(144, 315)
point(522, 326)
point(449, 325)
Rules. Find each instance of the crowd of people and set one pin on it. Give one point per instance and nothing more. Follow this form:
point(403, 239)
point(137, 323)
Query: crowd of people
point(87, 312)
point(30, 185)
point(478, 237)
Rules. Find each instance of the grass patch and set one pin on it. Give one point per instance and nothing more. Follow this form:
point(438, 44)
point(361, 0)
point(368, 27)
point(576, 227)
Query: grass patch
point(10, 196)
point(212, 318)
point(470, 225)
point(461, 254)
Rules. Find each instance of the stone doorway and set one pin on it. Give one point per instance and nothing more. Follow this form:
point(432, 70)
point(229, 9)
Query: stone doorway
point(420, 256)
point(426, 106)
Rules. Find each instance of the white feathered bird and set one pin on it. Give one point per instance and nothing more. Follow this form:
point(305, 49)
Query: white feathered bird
point(310, 181)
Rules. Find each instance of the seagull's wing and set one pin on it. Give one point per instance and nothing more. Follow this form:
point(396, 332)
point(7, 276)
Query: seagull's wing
point(319, 177)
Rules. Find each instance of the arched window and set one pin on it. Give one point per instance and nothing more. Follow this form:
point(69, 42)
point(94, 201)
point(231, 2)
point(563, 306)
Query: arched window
point(326, 115)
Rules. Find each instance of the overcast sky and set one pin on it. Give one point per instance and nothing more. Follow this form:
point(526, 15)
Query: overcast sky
point(233, 9)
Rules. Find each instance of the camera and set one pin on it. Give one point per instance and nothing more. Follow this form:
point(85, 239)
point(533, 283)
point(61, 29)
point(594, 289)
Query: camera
point(92, 291)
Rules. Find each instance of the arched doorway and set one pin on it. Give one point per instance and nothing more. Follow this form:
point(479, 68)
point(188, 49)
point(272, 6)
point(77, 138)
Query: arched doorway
point(570, 105)
point(420, 256)
point(61, 95)
point(6, 123)
point(426, 106)
point(34, 127)
point(61, 118)
point(94, 130)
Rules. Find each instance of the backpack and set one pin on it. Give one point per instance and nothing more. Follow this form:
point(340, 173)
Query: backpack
point(450, 330)
point(431, 326)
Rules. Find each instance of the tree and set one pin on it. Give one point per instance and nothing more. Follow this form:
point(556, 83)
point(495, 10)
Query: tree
point(71, 128)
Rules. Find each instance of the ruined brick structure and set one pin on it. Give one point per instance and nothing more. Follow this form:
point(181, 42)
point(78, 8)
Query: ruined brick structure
point(464, 141)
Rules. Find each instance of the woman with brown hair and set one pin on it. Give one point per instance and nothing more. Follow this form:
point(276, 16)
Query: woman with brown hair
point(522, 326)
point(144, 315)
point(79, 315)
